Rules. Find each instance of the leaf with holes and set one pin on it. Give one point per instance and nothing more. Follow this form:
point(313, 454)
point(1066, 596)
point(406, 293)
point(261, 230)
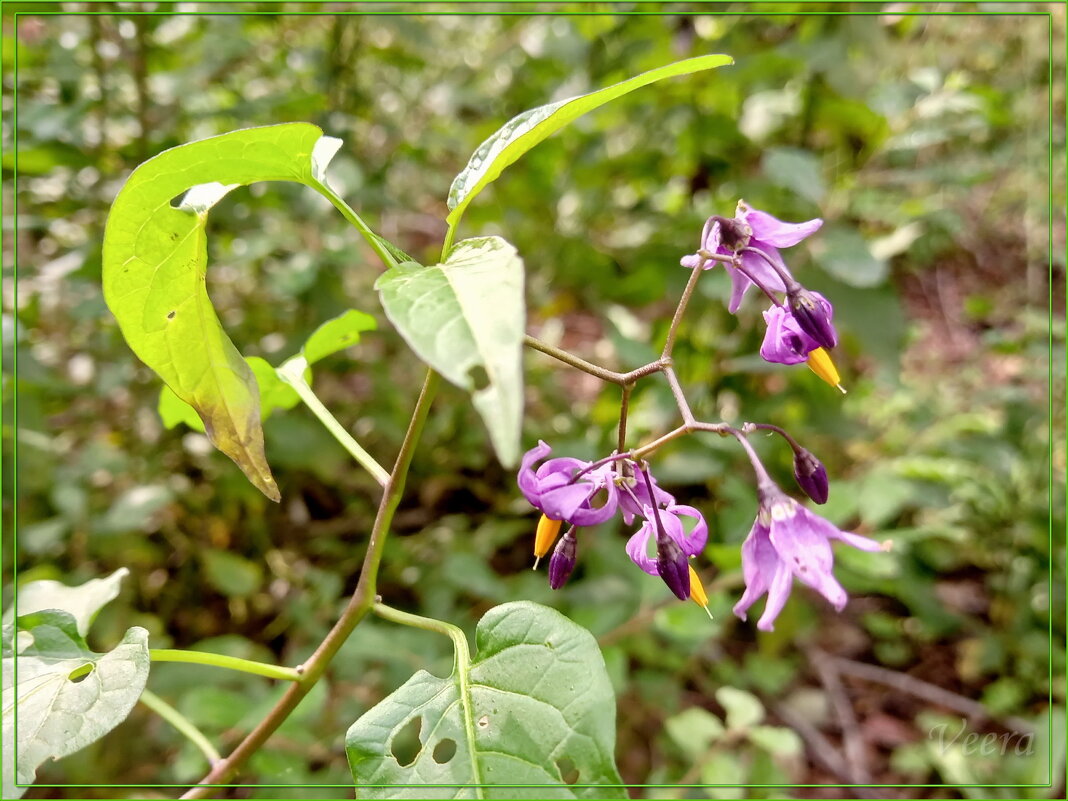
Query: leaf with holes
point(523, 132)
point(59, 696)
point(466, 319)
point(155, 262)
point(533, 716)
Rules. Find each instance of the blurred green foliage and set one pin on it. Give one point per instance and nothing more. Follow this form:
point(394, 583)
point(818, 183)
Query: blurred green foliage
point(920, 139)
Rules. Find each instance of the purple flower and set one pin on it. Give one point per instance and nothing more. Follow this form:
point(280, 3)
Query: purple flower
point(784, 341)
point(787, 541)
point(811, 475)
point(634, 494)
point(690, 542)
point(759, 231)
point(562, 562)
point(554, 490)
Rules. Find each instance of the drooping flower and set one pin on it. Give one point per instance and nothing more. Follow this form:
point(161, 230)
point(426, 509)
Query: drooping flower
point(672, 549)
point(788, 541)
point(634, 493)
point(758, 236)
point(561, 493)
point(786, 343)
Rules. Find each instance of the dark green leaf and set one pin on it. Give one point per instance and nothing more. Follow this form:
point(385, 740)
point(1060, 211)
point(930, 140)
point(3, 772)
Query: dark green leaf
point(535, 708)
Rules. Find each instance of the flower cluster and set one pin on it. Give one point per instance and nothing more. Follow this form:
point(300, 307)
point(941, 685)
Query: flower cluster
point(786, 541)
point(582, 494)
point(802, 328)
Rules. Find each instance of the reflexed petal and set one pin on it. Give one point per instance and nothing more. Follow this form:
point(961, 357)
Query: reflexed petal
point(759, 562)
point(693, 260)
point(778, 592)
point(562, 503)
point(638, 548)
point(777, 233)
point(784, 341)
point(691, 543)
point(857, 541)
point(527, 481)
point(764, 272)
point(801, 546)
point(740, 284)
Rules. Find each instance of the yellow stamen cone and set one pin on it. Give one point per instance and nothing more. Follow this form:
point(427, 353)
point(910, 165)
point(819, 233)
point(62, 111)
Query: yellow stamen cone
point(819, 362)
point(697, 592)
point(548, 531)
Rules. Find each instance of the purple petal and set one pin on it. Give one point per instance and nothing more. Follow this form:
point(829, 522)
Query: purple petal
point(693, 542)
point(778, 592)
point(777, 233)
point(526, 479)
point(563, 503)
point(784, 341)
point(759, 268)
point(740, 284)
point(857, 541)
point(638, 548)
point(759, 561)
point(693, 260)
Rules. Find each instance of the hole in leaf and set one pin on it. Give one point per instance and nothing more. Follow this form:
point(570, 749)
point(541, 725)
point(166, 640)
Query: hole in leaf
point(79, 673)
point(405, 745)
point(569, 774)
point(176, 202)
point(444, 751)
point(479, 377)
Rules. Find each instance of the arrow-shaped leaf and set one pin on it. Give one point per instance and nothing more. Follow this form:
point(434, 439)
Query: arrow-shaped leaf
point(525, 130)
point(534, 708)
point(155, 261)
point(466, 319)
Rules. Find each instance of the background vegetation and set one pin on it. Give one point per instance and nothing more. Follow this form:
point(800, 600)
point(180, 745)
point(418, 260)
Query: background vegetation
point(920, 139)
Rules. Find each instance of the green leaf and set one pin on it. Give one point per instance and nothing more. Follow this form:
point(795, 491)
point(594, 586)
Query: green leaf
point(232, 575)
point(82, 602)
point(155, 261)
point(526, 130)
point(776, 740)
point(535, 708)
point(337, 334)
point(694, 730)
point(466, 318)
point(743, 709)
point(62, 695)
point(796, 170)
point(846, 255)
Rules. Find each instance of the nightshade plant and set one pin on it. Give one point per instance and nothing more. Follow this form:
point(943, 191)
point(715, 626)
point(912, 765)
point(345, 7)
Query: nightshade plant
point(535, 696)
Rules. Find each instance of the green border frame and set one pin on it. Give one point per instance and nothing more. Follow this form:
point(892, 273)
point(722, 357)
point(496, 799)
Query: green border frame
point(532, 9)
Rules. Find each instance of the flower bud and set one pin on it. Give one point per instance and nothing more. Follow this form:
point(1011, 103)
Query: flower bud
point(811, 475)
point(820, 363)
point(548, 530)
point(562, 562)
point(813, 315)
point(673, 568)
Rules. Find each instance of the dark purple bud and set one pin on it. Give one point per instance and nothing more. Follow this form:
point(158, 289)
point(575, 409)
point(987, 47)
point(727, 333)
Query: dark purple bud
point(672, 566)
point(813, 315)
point(562, 562)
point(733, 233)
point(811, 475)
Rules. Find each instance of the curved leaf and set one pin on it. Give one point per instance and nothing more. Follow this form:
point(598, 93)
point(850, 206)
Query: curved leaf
point(535, 708)
point(155, 260)
point(525, 130)
point(466, 319)
point(59, 696)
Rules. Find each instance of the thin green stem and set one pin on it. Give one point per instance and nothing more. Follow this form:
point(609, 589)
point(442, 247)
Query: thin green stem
point(359, 605)
point(228, 662)
point(462, 664)
point(446, 246)
point(181, 723)
point(347, 212)
point(292, 372)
